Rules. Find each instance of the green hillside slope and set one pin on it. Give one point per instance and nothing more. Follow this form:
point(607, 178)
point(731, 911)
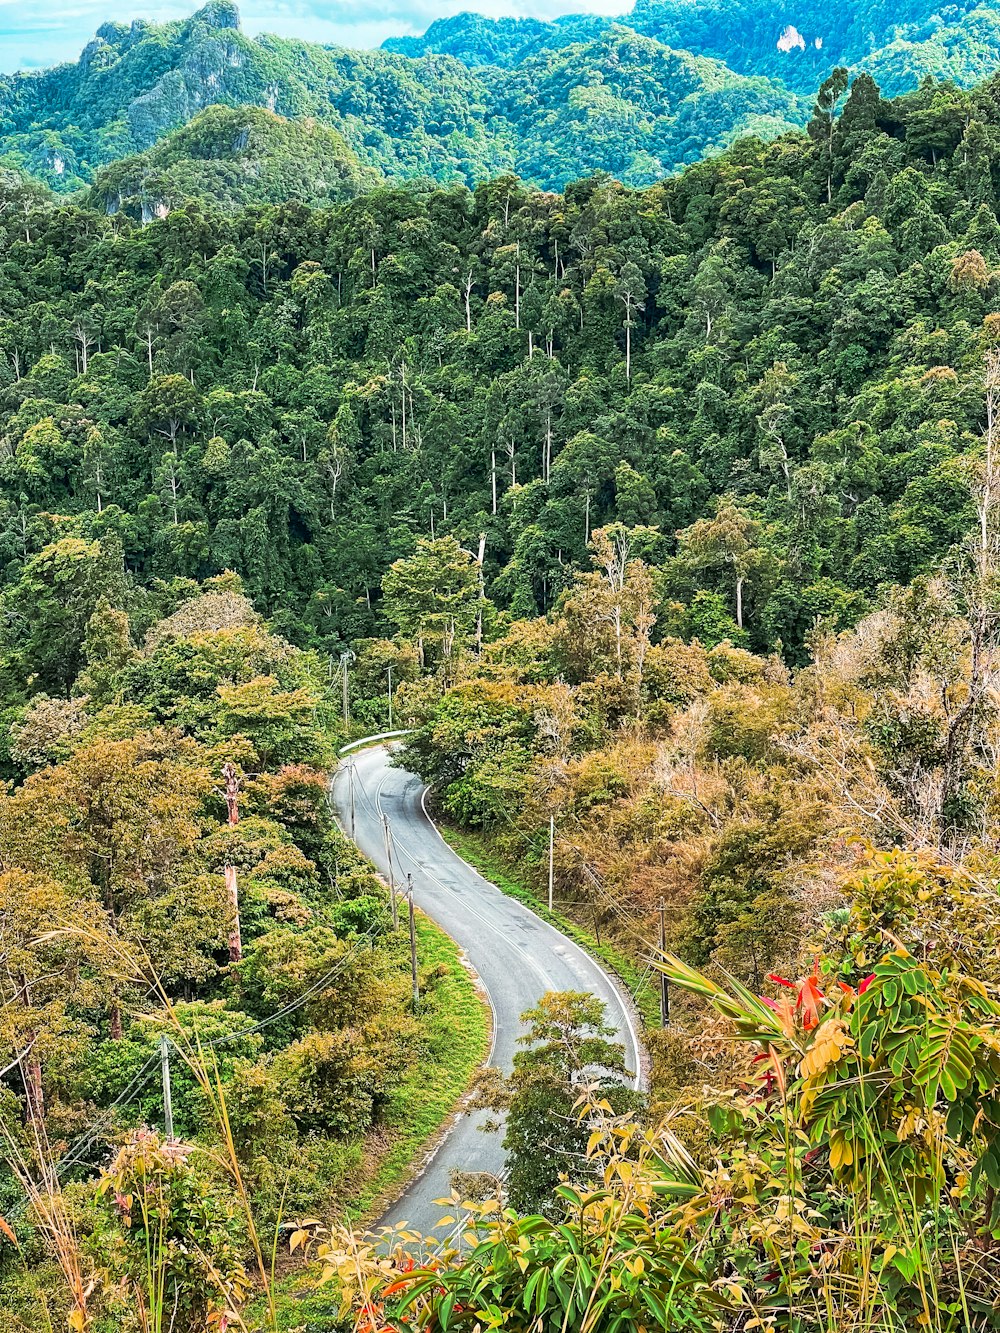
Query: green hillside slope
point(233, 156)
point(134, 84)
point(550, 101)
point(300, 394)
point(795, 46)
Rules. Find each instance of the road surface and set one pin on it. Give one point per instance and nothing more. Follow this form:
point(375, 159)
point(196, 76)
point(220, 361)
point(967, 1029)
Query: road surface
point(517, 955)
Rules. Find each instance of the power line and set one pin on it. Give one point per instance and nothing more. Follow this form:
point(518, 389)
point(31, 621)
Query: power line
point(628, 921)
point(76, 1152)
point(139, 1080)
point(300, 1000)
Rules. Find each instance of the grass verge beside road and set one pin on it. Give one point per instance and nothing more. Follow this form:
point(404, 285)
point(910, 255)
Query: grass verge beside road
point(456, 1022)
point(474, 848)
point(457, 1035)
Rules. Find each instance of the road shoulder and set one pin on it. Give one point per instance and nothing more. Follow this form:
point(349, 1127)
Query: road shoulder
point(636, 994)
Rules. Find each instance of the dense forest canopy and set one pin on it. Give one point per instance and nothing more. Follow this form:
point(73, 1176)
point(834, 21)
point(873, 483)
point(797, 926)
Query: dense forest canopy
point(767, 363)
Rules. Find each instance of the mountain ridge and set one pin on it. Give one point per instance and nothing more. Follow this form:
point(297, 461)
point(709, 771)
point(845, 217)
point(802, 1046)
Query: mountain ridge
point(637, 95)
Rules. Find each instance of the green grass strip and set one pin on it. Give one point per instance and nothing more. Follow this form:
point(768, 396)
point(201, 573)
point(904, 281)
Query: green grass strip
point(456, 1023)
point(475, 848)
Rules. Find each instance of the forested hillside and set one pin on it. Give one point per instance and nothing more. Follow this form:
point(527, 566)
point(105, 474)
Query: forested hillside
point(637, 95)
point(135, 83)
point(795, 45)
point(233, 157)
point(669, 522)
point(899, 44)
point(170, 873)
point(783, 342)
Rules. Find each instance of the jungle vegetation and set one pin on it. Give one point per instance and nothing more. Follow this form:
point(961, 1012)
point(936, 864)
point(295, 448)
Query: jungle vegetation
point(674, 514)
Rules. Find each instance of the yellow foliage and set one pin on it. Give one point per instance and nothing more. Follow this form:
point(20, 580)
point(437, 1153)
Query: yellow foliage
point(829, 1043)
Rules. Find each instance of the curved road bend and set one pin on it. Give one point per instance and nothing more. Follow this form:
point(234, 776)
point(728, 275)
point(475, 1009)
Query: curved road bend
point(517, 955)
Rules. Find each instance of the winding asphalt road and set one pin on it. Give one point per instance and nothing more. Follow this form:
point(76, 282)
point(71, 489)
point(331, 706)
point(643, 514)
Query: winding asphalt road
point(517, 955)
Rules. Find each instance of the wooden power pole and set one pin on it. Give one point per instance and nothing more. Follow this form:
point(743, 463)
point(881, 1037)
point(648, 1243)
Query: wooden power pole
point(413, 944)
point(232, 791)
point(664, 984)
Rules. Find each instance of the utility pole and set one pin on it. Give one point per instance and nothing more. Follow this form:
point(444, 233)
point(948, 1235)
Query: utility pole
point(390, 696)
point(31, 1073)
point(346, 658)
point(413, 944)
point(552, 856)
point(387, 829)
point(232, 791)
point(350, 775)
point(664, 984)
point(168, 1105)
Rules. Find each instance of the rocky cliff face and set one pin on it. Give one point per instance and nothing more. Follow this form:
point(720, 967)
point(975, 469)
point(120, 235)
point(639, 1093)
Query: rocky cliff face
point(208, 74)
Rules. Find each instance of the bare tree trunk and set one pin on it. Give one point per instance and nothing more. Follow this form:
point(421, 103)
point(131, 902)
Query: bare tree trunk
point(480, 559)
point(402, 373)
point(979, 599)
point(34, 1093)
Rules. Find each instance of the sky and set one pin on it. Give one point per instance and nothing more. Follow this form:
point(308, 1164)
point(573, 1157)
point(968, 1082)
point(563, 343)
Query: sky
point(38, 33)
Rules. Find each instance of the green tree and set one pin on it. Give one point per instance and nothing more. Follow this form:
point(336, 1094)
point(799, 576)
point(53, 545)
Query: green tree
point(45, 613)
point(565, 1050)
point(433, 596)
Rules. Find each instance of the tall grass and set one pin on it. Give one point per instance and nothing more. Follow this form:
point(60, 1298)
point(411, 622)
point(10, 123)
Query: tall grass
point(49, 1210)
